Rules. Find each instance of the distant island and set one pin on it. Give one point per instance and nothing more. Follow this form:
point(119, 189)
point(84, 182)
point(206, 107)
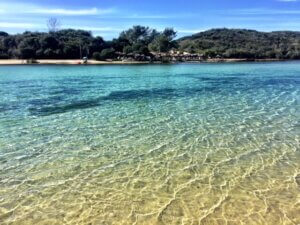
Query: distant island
point(143, 44)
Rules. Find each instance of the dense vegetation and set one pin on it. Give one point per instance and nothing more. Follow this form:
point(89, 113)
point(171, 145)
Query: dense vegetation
point(238, 43)
point(140, 40)
point(74, 44)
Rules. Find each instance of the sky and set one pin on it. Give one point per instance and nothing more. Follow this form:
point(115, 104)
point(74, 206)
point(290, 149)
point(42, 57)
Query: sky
point(107, 18)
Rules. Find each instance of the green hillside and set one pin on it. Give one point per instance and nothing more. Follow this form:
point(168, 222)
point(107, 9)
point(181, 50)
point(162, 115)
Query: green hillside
point(241, 43)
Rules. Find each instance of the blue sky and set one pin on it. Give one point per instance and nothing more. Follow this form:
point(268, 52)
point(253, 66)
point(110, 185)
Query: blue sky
point(108, 18)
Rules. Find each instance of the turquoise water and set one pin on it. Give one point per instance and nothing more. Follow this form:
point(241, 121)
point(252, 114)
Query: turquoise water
point(150, 144)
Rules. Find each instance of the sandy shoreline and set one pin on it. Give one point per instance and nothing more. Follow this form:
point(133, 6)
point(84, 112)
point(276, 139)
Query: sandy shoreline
point(94, 62)
point(63, 62)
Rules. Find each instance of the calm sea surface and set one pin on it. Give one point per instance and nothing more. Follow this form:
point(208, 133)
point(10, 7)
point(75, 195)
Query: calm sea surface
point(153, 144)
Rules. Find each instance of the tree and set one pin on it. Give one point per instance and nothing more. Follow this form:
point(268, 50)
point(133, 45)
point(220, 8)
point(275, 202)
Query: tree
point(139, 34)
point(49, 41)
point(119, 44)
point(3, 34)
point(170, 33)
point(27, 53)
point(108, 53)
point(164, 41)
point(9, 42)
point(97, 45)
point(53, 24)
point(71, 50)
point(135, 34)
point(28, 46)
point(127, 49)
point(97, 56)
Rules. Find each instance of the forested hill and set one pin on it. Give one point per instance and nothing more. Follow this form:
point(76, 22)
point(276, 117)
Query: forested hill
point(241, 43)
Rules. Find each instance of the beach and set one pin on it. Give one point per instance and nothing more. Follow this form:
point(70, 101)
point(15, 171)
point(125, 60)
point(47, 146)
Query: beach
point(95, 62)
point(64, 62)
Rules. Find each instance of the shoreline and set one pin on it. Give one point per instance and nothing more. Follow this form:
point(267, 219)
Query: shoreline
point(94, 62)
point(64, 62)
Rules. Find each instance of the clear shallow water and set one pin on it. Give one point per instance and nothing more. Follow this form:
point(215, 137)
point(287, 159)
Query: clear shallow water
point(159, 144)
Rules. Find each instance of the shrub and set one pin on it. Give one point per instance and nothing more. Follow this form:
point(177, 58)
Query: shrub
point(127, 49)
point(97, 56)
point(4, 55)
point(108, 53)
point(27, 53)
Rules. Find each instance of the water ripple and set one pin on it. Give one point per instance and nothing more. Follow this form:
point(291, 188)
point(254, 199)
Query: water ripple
point(180, 144)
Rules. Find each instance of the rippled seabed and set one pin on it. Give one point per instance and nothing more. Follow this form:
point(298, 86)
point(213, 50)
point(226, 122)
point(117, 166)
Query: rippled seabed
point(163, 144)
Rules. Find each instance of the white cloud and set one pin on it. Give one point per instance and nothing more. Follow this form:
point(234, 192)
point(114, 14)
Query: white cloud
point(70, 12)
point(22, 8)
point(18, 25)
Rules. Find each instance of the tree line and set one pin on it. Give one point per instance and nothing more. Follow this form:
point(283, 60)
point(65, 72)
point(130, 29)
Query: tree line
point(141, 40)
point(74, 44)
